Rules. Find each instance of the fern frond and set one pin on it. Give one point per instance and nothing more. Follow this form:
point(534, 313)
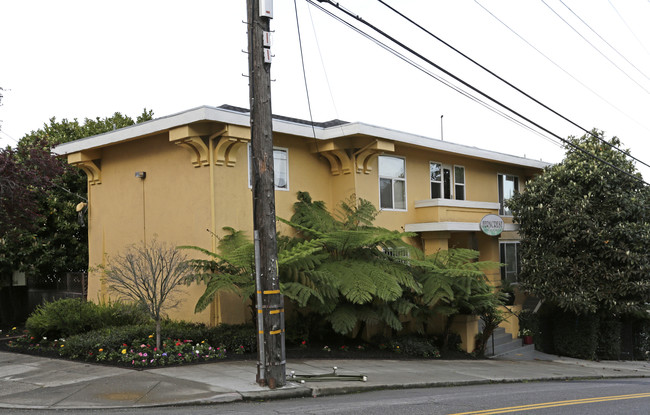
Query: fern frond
point(343, 319)
point(300, 293)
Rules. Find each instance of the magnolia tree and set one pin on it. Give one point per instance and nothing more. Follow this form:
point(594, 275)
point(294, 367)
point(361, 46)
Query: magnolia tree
point(585, 230)
point(148, 274)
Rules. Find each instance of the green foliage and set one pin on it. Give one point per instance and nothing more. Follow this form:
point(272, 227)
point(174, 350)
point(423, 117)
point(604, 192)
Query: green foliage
point(232, 270)
point(576, 335)
point(56, 241)
point(342, 268)
point(642, 339)
point(67, 317)
point(230, 337)
point(609, 338)
point(415, 346)
point(585, 231)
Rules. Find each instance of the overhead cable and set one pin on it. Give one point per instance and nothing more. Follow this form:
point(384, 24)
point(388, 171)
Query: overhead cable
point(561, 68)
point(597, 50)
point(507, 82)
point(475, 89)
point(606, 42)
point(434, 76)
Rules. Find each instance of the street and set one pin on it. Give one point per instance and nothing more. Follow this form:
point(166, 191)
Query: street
point(594, 397)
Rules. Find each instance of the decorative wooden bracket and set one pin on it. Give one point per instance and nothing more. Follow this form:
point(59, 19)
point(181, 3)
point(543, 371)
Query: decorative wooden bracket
point(90, 163)
point(232, 137)
point(340, 162)
point(197, 148)
point(189, 137)
point(364, 156)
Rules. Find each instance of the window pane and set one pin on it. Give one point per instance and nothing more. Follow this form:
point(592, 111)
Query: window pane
point(280, 167)
point(400, 194)
point(391, 167)
point(435, 172)
point(510, 257)
point(436, 192)
point(385, 194)
point(460, 192)
point(447, 183)
point(508, 185)
point(459, 175)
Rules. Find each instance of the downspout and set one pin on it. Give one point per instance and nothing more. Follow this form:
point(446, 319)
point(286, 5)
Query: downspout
point(213, 215)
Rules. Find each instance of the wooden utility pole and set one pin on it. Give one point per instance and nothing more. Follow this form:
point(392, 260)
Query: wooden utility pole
point(271, 366)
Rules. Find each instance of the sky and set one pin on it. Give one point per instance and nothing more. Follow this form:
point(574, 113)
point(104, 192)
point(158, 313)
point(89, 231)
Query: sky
point(589, 61)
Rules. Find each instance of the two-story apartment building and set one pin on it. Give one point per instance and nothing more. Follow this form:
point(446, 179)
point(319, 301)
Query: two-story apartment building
point(184, 177)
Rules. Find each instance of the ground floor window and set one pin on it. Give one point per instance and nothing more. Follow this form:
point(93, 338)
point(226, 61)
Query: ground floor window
point(509, 255)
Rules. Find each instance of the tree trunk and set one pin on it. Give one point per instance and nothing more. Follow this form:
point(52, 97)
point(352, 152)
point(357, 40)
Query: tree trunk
point(158, 333)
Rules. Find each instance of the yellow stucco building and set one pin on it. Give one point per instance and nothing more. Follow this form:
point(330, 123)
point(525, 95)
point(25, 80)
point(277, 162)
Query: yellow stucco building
point(185, 176)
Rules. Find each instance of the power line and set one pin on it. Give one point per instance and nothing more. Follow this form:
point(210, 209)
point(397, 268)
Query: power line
point(304, 73)
point(603, 39)
point(629, 28)
point(506, 82)
point(9, 136)
point(561, 68)
point(434, 76)
point(597, 50)
point(458, 79)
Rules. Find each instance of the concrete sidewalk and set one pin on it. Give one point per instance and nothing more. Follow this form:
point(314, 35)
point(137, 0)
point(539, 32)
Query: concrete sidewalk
point(35, 382)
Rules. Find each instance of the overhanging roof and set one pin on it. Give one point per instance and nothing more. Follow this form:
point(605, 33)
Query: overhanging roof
point(323, 131)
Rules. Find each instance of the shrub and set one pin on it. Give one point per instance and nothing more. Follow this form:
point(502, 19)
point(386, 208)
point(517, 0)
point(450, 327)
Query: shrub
point(415, 346)
point(609, 339)
point(642, 339)
point(576, 335)
point(543, 331)
point(63, 318)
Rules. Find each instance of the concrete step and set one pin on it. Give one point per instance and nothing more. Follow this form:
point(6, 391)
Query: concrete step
point(503, 343)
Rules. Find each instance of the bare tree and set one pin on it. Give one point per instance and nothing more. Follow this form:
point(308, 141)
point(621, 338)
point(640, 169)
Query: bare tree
point(148, 274)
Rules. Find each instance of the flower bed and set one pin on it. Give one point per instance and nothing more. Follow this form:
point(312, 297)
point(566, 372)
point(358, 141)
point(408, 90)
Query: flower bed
point(139, 353)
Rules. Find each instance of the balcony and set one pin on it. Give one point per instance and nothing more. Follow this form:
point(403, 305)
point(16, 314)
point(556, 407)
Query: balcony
point(448, 215)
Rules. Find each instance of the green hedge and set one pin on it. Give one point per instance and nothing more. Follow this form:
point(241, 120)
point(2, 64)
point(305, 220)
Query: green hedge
point(609, 339)
point(67, 317)
point(576, 335)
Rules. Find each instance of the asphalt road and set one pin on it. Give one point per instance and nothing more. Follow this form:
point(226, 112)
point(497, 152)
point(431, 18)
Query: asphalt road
point(611, 396)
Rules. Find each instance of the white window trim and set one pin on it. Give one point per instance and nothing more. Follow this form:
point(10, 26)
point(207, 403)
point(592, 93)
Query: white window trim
point(441, 178)
point(393, 188)
point(498, 184)
point(464, 184)
point(250, 168)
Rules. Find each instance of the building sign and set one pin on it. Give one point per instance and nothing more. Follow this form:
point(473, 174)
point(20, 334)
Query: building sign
point(491, 225)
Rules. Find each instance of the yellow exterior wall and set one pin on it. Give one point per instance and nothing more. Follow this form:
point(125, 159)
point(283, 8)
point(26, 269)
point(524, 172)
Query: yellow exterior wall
point(175, 199)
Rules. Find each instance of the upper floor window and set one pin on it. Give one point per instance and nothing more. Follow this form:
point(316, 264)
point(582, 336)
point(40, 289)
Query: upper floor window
point(280, 168)
point(509, 256)
point(392, 183)
point(508, 186)
point(447, 182)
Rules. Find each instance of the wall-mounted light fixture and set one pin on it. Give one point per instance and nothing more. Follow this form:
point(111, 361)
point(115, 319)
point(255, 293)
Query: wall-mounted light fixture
point(141, 174)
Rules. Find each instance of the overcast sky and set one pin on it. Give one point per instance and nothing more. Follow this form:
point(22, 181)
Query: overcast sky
point(78, 59)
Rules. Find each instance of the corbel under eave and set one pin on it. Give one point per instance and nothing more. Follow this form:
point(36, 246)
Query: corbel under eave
point(90, 163)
